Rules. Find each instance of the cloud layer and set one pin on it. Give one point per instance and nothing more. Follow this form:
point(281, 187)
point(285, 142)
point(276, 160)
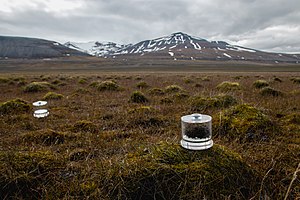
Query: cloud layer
point(270, 25)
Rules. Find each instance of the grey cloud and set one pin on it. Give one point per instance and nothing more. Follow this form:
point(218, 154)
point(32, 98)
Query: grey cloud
point(244, 22)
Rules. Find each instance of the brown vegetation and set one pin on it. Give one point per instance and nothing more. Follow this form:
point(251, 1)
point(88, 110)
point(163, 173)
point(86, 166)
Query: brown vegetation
point(104, 140)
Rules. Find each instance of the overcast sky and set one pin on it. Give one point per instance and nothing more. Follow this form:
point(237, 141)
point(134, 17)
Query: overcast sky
point(271, 25)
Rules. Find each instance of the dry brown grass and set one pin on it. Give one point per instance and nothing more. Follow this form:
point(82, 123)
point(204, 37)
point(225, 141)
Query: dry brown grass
point(98, 144)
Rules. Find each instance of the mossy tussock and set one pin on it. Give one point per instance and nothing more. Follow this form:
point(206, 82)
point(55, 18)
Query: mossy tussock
point(47, 137)
point(108, 85)
point(85, 126)
point(15, 106)
point(142, 84)
point(202, 104)
point(293, 118)
point(3, 80)
point(245, 123)
point(170, 172)
point(53, 96)
point(173, 89)
point(79, 154)
point(228, 86)
point(156, 91)
point(260, 84)
point(38, 87)
point(269, 91)
point(138, 97)
point(23, 173)
point(296, 80)
point(146, 117)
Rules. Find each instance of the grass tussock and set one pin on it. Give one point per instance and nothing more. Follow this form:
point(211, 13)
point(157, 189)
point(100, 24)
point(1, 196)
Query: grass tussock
point(160, 174)
point(276, 79)
point(156, 91)
point(142, 84)
point(4, 80)
point(173, 89)
point(138, 97)
point(85, 126)
point(38, 87)
point(260, 84)
point(47, 137)
point(269, 91)
point(296, 80)
point(202, 104)
point(108, 86)
point(15, 106)
point(23, 173)
point(246, 123)
point(53, 96)
point(228, 86)
point(293, 118)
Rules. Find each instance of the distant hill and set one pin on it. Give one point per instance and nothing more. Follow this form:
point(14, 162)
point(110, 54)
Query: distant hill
point(22, 47)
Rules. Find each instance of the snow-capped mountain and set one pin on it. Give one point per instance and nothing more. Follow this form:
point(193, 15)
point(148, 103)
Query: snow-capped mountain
point(181, 46)
point(96, 48)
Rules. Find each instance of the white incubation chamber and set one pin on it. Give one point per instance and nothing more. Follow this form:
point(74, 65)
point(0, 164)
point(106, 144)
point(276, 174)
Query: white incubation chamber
point(196, 132)
point(40, 110)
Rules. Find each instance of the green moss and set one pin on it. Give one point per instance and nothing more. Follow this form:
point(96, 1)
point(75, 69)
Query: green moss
point(268, 91)
point(38, 87)
point(47, 137)
point(108, 86)
point(15, 106)
point(138, 97)
point(171, 172)
point(156, 91)
point(53, 96)
point(260, 83)
point(85, 126)
point(245, 123)
point(202, 104)
point(173, 89)
point(228, 86)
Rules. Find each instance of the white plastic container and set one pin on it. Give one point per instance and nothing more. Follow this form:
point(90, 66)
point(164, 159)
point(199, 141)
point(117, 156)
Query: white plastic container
point(40, 110)
point(196, 132)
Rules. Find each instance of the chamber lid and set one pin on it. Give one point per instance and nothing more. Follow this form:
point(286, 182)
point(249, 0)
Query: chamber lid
point(39, 103)
point(41, 111)
point(196, 118)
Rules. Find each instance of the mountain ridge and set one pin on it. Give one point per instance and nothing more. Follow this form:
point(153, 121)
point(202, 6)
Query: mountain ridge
point(181, 46)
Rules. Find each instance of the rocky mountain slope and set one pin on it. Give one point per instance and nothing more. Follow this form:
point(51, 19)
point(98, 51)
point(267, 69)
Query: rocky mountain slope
point(21, 47)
